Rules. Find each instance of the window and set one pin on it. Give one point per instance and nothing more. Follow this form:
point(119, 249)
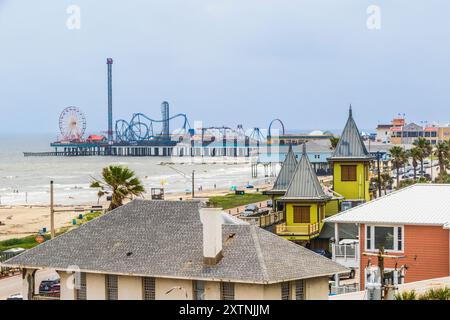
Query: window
point(111, 287)
point(148, 288)
point(199, 290)
point(302, 214)
point(300, 290)
point(391, 238)
point(80, 286)
point(227, 290)
point(286, 291)
point(348, 173)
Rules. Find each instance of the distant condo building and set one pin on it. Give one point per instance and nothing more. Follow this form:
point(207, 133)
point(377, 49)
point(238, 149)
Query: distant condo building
point(401, 132)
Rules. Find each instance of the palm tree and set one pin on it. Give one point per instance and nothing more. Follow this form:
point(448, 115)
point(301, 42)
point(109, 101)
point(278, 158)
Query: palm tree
point(426, 148)
point(120, 182)
point(442, 152)
point(334, 141)
point(398, 158)
point(386, 180)
point(416, 154)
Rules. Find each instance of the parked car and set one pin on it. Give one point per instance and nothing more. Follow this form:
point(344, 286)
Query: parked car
point(50, 286)
point(16, 296)
point(251, 207)
point(249, 186)
point(269, 203)
point(323, 252)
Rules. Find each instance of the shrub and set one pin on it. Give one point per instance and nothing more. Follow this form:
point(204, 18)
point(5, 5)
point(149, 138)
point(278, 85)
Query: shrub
point(406, 295)
point(436, 294)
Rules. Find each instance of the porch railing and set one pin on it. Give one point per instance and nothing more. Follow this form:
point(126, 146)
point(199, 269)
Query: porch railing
point(345, 251)
point(309, 229)
point(265, 220)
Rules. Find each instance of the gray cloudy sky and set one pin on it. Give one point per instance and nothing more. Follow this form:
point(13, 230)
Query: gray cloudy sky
point(225, 61)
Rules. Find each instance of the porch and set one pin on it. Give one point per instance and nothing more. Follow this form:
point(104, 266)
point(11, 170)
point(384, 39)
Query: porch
point(309, 230)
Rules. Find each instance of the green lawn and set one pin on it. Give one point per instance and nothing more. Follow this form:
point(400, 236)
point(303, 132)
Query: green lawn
point(232, 200)
point(29, 242)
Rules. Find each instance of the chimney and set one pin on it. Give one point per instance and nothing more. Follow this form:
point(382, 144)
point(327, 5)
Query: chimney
point(212, 221)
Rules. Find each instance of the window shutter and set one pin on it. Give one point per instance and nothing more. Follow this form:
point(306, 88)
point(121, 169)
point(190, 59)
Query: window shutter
point(300, 290)
point(148, 284)
point(111, 287)
point(305, 214)
point(227, 290)
point(286, 291)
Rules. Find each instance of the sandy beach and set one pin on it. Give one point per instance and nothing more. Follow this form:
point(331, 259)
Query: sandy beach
point(23, 220)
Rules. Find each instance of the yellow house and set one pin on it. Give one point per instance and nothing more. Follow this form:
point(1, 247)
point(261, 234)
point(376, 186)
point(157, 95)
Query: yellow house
point(350, 162)
point(304, 204)
point(282, 182)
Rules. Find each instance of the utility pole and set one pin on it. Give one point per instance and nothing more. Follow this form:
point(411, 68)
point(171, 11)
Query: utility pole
point(379, 173)
point(193, 184)
point(381, 256)
point(52, 212)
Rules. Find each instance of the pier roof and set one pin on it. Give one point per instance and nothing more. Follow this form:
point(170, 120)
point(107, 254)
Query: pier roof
point(350, 145)
point(305, 185)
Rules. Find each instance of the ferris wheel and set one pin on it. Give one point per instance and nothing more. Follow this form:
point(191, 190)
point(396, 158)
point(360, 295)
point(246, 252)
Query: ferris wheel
point(72, 123)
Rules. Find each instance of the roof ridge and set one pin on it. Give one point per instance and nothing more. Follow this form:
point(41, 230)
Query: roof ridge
point(259, 253)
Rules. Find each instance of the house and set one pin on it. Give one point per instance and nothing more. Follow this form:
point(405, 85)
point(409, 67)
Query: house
point(413, 222)
point(304, 204)
point(176, 250)
point(350, 162)
point(318, 152)
point(383, 133)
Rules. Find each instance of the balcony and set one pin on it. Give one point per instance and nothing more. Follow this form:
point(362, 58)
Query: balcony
point(346, 254)
point(309, 230)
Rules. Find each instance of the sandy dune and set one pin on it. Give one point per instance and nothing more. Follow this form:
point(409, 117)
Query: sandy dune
point(20, 221)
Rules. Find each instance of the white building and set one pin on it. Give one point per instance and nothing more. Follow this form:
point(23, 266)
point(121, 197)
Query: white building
point(176, 250)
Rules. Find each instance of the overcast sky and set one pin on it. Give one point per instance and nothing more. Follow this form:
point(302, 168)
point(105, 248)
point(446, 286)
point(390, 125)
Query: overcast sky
point(225, 61)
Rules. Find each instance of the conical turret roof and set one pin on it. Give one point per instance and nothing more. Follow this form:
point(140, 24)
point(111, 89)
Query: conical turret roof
point(350, 145)
point(304, 184)
point(286, 172)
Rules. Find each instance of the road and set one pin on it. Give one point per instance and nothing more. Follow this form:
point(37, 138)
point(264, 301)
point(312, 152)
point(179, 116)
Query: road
point(13, 285)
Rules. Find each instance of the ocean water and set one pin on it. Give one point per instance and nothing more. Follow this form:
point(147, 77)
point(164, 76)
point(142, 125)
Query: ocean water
point(26, 180)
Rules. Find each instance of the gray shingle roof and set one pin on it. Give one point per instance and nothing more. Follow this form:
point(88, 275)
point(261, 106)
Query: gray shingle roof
point(165, 240)
point(350, 145)
point(304, 184)
point(286, 172)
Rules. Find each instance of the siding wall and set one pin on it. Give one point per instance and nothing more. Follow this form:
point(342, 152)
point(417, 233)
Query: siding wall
point(95, 286)
point(426, 249)
point(130, 288)
point(317, 288)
